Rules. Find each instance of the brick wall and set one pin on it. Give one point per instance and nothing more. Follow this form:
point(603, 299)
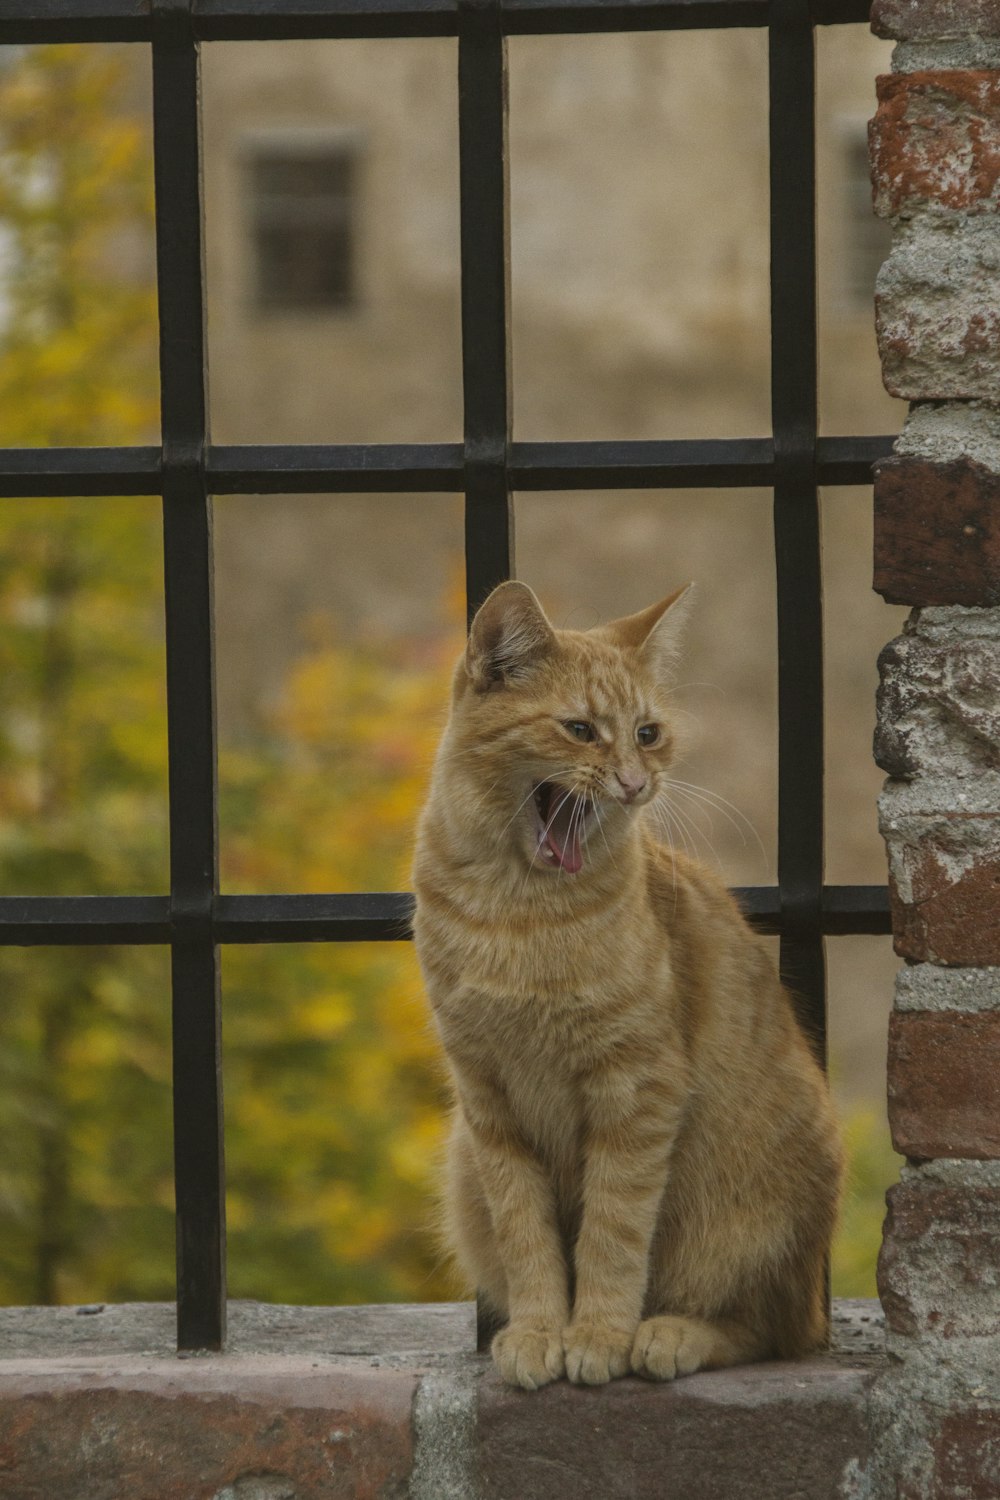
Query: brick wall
point(935, 151)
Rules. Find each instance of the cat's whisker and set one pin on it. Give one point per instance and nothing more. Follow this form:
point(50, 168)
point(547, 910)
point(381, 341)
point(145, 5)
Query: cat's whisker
point(572, 817)
point(541, 840)
point(721, 804)
point(699, 816)
point(664, 819)
point(578, 819)
point(600, 829)
point(562, 771)
point(523, 803)
point(696, 833)
point(674, 825)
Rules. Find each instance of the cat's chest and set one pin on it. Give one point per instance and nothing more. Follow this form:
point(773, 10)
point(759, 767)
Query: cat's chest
point(563, 987)
point(546, 1009)
point(553, 958)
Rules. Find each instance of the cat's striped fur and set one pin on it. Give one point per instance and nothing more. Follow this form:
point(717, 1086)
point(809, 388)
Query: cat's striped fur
point(643, 1164)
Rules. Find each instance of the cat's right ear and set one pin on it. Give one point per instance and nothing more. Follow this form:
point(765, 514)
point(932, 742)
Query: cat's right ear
point(509, 636)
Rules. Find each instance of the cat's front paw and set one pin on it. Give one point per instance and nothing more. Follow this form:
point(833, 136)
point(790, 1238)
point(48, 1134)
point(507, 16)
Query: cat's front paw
point(596, 1353)
point(528, 1356)
point(666, 1347)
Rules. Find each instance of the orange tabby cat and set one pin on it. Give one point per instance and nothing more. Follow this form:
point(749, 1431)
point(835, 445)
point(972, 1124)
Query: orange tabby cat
point(643, 1165)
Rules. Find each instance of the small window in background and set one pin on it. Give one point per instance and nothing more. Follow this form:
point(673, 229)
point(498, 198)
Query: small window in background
point(866, 239)
point(302, 189)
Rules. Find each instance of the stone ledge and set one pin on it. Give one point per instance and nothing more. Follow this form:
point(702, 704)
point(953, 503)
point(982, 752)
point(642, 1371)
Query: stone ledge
point(331, 1403)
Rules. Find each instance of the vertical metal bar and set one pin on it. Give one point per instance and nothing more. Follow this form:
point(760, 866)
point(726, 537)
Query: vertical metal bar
point(796, 509)
point(187, 530)
point(485, 227)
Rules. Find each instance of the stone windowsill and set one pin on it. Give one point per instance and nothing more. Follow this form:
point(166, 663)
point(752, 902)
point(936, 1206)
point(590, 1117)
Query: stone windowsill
point(330, 1403)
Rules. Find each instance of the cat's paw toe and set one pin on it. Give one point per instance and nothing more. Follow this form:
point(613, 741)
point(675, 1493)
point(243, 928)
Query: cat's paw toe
point(528, 1356)
point(595, 1353)
point(667, 1347)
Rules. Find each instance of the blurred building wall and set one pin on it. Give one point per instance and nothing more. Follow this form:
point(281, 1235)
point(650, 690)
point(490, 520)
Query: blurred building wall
point(640, 310)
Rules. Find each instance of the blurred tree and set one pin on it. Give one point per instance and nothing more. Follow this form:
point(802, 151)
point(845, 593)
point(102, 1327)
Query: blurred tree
point(333, 1109)
point(82, 784)
point(334, 1104)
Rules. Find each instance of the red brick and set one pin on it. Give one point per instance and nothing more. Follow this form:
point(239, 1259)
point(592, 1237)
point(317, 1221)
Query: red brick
point(937, 532)
point(944, 1084)
point(951, 912)
point(936, 139)
point(939, 1266)
point(910, 20)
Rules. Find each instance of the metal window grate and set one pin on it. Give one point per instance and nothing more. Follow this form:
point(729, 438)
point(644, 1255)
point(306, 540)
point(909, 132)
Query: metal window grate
point(194, 919)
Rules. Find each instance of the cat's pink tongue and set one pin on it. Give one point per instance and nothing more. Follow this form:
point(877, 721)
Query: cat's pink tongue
point(563, 836)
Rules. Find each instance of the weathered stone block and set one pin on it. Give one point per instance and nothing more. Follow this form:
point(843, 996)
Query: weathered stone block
point(938, 707)
point(935, 140)
point(938, 735)
point(405, 1416)
point(764, 1432)
point(904, 20)
point(944, 1086)
point(210, 1431)
point(937, 533)
point(938, 309)
point(939, 1268)
point(946, 432)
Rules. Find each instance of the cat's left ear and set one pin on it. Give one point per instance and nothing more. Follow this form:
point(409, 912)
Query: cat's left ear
point(657, 633)
point(508, 636)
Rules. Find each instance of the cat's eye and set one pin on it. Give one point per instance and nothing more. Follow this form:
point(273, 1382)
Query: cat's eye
point(647, 734)
point(580, 730)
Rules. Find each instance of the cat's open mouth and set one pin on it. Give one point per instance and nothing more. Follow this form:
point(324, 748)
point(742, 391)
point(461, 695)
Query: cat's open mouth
point(563, 818)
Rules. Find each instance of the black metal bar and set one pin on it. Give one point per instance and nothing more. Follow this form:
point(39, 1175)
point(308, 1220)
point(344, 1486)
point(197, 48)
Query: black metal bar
point(27, 472)
point(485, 239)
point(37, 921)
point(364, 469)
point(642, 465)
point(856, 910)
point(849, 460)
point(796, 510)
point(187, 529)
point(274, 20)
point(364, 917)
point(414, 468)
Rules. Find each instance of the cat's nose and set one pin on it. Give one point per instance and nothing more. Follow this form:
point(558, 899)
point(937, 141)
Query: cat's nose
point(631, 783)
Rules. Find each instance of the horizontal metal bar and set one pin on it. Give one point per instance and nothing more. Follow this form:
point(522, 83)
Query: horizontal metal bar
point(369, 916)
point(68, 920)
point(414, 468)
point(858, 910)
point(711, 462)
point(76, 21)
point(268, 20)
point(26, 921)
point(849, 460)
point(845, 910)
point(31, 472)
point(353, 469)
